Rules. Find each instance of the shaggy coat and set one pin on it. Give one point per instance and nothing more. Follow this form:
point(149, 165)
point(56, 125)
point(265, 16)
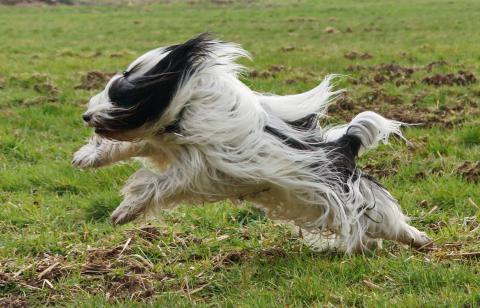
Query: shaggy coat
point(204, 136)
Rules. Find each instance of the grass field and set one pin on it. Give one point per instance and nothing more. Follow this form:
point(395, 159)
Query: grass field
point(415, 61)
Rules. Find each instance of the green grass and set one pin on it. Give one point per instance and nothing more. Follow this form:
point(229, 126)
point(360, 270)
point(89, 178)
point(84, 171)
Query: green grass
point(220, 255)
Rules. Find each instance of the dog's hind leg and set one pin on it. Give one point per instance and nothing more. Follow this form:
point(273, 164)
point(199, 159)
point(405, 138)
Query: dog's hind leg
point(375, 214)
point(146, 190)
point(138, 194)
point(99, 152)
point(383, 218)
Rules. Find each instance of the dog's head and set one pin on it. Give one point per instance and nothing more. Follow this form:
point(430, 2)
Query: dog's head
point(133, 103)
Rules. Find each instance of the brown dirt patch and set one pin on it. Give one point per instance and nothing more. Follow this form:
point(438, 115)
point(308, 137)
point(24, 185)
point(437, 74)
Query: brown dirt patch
point(353, 55)
point(330, 30)
point(47, 88)
point(296, 79)
point(273, 253)
point(445, 116)
point(400, 75)
point(74, 2)
point(430, 66)
point(353, 68)
point(39, 100)
point(230, 258)
point(120, 272)
point(277, 68)
point(122, 53)
point(301, 19)
point(73, 54)
point(470, 171)
point(287, 48)
point(393, 107)
point(13, 302)
point(271, 72)
point(382, 73)
point(94, 80)
point(41, 273)
point(372, 29)
point(428, 172)
point(392, 73)
point(345, 107)
point(291, 75)
point(117, 271)
point(437, 226)
point(147, 233)
point(379, 171)
point(40, 83)
point(462, 78)
point(222, 2)
point(30, 2)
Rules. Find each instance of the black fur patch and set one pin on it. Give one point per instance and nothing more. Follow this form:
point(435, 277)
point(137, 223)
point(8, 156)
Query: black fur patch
point(142, 99)
point(291, 142)
point(343, 153)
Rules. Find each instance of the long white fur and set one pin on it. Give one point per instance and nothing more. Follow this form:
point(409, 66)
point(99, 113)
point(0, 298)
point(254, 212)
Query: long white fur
point(297, 106)
point(224, 152)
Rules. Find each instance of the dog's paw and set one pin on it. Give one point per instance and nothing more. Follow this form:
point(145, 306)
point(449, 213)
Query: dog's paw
point(423, 242)
point(123, 215)
point(86, 157)
point(129, 210)
point(120, 216)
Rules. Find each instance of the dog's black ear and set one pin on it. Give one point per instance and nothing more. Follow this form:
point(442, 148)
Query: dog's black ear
point(141, 98)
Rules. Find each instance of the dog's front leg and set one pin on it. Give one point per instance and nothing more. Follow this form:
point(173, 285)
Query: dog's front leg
point(146, 189)
point(99, 152)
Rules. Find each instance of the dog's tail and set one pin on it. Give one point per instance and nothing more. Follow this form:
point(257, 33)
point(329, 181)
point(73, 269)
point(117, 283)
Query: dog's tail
point(369, 127)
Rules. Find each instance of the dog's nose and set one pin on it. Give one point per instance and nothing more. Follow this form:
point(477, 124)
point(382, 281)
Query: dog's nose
point(87, 117)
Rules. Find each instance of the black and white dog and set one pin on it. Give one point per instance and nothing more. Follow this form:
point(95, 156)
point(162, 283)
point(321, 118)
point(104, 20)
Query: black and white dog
point(203, 135)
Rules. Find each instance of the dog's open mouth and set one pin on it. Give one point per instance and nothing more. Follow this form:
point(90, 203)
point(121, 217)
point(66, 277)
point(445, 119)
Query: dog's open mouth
point(111, 134)
point(101, 131)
